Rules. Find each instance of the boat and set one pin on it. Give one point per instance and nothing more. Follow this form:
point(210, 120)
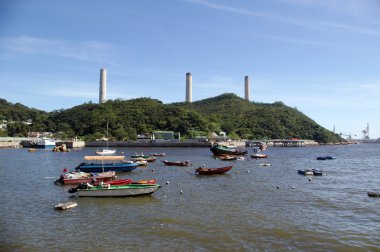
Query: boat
point(158, 154)
point(107, 190)
point(258, 155)
point(45, 143)
point(227, 158)
point(64, 206)
point(120, 166)
point(105, 151)
point(310, 172)
point(131, 181)
point(219, 150)
point(209, 171)
point(148, 159)
point(141, 155)
point(176, 163)
point(373, 194)
point(265, 164)
point(325, 157)
point(77, 177)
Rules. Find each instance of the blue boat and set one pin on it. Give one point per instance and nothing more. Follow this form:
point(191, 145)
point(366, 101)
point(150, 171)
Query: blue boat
point(325, 157)
point(103, 166)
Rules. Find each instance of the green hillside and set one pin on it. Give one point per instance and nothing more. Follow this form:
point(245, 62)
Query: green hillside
point(126, 118)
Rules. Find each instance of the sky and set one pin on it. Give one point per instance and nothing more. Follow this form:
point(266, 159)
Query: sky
point(319, 56)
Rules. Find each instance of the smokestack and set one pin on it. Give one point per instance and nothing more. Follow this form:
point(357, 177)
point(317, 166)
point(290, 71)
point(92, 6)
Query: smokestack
point(246, 82)
point(103, 86)
point(189, 84)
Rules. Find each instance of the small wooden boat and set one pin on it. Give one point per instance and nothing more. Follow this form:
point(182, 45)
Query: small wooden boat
point(373, 194)
point(176, 163)
point(258, 155)
point(130, 181)
point(265, 164)
point(77, 177)
point(308, 172)
point(210, 171)
point(227, 158)
point(64, 206)
point(325, 157)
point(141, 155)
point(158, 154)
point(107, 190)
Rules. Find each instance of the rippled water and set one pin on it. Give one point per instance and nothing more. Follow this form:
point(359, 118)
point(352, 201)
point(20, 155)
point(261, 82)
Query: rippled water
point(239, 211)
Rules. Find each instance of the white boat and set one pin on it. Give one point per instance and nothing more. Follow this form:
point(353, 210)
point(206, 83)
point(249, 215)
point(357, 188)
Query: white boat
point(107, 190)
point(64, 206)
point(45, 142)
point(105, 151)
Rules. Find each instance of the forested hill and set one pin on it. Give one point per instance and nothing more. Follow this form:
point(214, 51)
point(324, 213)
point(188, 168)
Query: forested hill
point(227, 112)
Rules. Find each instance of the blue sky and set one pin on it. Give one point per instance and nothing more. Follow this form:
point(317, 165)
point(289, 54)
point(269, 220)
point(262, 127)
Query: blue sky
point(320, 56)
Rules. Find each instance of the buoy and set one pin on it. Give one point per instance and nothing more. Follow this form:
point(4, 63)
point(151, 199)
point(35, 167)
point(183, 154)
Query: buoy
point(181, 191)
point(167, 182)
point(310, 179)
point(278, 187)
point(293, 187)
point(247, 171)
point(152, 170)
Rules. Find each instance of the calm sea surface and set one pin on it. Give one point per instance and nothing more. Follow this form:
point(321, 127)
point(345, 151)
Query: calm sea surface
point(239, 211)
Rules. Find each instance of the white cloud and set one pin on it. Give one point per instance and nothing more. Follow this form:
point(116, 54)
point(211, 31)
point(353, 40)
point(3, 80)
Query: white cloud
point(84, 51)
point(312, 24)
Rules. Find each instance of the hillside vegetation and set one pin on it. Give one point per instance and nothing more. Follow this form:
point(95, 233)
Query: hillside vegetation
point(126, 118)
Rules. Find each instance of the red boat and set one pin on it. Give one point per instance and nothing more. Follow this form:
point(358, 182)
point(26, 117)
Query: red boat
point(129, 181)
point(209, 171)
point(176, 163)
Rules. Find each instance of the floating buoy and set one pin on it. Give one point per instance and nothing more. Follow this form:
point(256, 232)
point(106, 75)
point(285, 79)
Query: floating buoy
point(247, 171)
point(181, 191)
point(278, 187)
point(152, 170)
point(310, 179)
point(167, 182)
point(293, 187)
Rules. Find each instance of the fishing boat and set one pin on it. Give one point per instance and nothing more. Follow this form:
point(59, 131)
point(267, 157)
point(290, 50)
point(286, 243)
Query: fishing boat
point(227, 158)
point(140, 155)
point(45, 143)
point(176, 163)
point(77, 177)
point(107, 190)
point(209, 171)
point(120, 166)
point(373, 194)
point(219, 150)
point(158, 154)
point(130, 181)
point(258, 155)
point(310, 172)
point(325, 157)
point(105, 151)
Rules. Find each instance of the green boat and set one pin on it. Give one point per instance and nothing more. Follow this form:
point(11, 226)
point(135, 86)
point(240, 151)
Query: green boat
point(220, 150)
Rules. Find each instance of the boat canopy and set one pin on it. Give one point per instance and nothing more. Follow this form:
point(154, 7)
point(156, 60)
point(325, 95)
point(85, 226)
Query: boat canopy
point(104, 158)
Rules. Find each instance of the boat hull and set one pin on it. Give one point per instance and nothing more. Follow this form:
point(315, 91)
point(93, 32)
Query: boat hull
point(210, 171)
point(219, 150)
point(118, 191)
point(117, 167)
